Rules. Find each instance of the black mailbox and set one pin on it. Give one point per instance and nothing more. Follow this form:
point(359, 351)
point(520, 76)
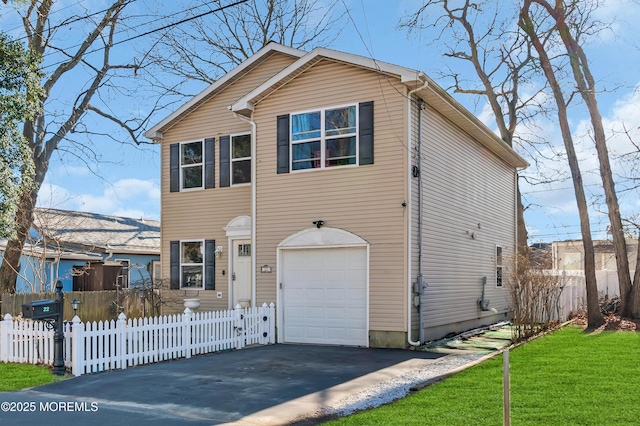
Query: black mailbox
point(40, 309)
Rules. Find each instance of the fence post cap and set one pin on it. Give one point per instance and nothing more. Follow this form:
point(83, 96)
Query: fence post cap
point(238, 306)
point(264, 305)
point(76, 319)
point(122, 316)
point(187, 310)
point(272, 305)
point(7, 317)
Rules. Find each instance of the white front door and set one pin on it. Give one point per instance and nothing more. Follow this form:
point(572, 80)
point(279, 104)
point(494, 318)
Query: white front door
point(241, 273)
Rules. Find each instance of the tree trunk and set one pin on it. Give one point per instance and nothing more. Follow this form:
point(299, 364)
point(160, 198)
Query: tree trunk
point(11, 261)
point(523, 236)
point(633, 304)
point(594, 317)
point(586, 87)
point(24, 215)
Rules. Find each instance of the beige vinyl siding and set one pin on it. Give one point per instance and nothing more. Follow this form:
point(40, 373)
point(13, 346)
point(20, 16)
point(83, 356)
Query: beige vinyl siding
point(467, 190)
point(202, 214)
point(364, 200)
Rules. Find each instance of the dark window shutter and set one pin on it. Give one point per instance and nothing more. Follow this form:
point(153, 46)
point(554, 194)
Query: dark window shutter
point(225, 161)
point(174, 262)
point(283, 143)
point(210, 264)
point(210, 163)
point(366, 132)
point(174, 167)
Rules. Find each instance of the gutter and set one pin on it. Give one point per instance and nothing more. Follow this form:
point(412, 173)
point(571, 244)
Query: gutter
point(254, 131)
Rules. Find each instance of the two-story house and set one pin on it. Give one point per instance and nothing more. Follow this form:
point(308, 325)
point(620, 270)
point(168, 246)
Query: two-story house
point(357, 195)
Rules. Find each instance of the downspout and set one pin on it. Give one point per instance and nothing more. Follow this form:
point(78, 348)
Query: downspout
point(420, 278)
point(254, 131)
point(410, 284)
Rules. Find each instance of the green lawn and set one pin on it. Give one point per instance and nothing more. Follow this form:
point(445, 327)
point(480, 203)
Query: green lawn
point(20, 376)
point(565, 378)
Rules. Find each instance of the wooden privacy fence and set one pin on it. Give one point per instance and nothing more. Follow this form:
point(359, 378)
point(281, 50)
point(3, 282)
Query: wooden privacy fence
point(100, 346)
point(94, 305)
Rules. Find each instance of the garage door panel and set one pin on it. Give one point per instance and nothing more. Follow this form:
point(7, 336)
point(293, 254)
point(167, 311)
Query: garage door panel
point(325, 296)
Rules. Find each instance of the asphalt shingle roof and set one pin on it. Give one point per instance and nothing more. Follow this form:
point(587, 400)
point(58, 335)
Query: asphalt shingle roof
point(97, 231)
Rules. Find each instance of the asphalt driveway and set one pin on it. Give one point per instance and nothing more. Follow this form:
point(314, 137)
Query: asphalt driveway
point(276, 384)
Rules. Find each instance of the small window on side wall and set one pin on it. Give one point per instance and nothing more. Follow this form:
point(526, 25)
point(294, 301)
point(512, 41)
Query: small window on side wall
point(499, 266)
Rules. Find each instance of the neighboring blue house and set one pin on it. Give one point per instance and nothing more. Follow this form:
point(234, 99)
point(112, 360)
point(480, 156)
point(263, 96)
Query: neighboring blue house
point(87, 251)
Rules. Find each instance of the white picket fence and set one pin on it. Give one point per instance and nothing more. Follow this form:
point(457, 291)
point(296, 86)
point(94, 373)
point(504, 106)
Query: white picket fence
point(101, 346)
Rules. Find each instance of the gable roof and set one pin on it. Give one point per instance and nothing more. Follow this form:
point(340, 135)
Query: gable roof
point(271, 48)
point(424, 87)
point(97, 232)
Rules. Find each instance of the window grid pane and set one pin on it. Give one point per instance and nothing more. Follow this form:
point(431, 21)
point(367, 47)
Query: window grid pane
point(340, 121)
point(191, 153)
point(305, 126)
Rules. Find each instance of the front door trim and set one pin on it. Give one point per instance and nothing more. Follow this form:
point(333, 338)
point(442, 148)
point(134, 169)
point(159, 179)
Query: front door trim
point(237, 229)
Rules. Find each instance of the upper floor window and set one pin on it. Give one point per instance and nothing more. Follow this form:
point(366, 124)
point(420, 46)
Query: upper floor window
point(240, 159)
point(191, 165)
point(324, 138)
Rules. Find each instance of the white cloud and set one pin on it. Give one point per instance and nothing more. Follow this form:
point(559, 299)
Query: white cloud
point(127, 197)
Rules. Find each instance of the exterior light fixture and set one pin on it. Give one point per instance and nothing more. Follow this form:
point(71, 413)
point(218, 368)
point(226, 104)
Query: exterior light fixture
point(75, 303)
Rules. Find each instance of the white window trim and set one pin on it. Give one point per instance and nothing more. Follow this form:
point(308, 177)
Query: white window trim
point(128, 261)
point(156, 271)
point(232, 160)
point(323, 138)
point(182, 167)
point(193, 264)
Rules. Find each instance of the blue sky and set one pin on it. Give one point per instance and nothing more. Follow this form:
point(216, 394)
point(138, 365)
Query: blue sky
point(126, 181)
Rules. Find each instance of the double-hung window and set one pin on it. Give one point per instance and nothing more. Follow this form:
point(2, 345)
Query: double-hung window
point(240, 159)
point(192, 264)
point(191, 165)
point(324, 138)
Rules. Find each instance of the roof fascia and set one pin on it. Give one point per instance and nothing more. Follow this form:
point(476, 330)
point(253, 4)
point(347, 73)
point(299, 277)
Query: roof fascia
point(411, 78)
point(155, 133)
point(407, 76)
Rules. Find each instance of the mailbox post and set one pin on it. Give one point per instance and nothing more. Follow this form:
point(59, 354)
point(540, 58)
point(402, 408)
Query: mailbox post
point(58, 336)
point(51, 311)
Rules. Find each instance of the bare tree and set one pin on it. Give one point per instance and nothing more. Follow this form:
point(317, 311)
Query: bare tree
point(208, 47)
point(197, 48)
point(569, 19)
point(482, 35)
point(45, 132)
point(532, 29)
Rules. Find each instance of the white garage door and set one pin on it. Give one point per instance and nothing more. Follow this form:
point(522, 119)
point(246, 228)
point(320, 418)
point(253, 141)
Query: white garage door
point(324, 294)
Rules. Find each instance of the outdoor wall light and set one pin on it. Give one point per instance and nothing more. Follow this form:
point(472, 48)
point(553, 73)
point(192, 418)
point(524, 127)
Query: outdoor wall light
point(75, 304)
point(218, 251)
